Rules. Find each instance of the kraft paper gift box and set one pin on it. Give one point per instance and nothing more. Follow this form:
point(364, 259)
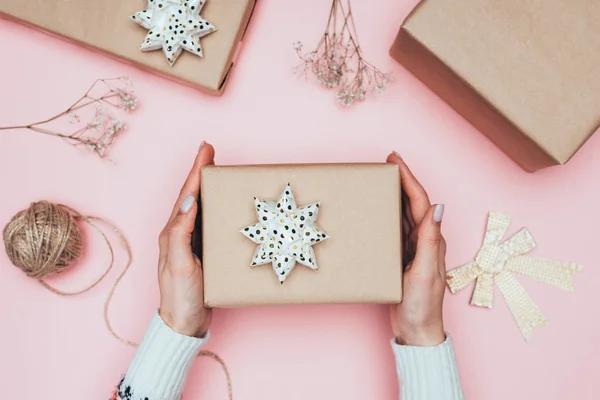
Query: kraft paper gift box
point(105, 26)
point(525, 73)
point(359, 262)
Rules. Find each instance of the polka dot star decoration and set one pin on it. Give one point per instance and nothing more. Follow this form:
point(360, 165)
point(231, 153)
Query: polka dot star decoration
point(173, 26)
point(285, 234)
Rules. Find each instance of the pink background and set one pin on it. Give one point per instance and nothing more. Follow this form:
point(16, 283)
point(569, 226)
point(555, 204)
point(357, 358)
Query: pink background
point(53, 347)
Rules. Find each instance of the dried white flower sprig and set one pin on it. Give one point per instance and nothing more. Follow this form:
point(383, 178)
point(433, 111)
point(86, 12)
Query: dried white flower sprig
point(102, 127)
point(337, 62)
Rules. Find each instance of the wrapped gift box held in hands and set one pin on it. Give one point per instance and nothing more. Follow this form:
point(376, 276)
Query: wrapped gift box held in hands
point(300, 234)
point(525, 73)
point(106, 25)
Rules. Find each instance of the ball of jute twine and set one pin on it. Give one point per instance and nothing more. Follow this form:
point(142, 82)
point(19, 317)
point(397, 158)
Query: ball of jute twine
point(44, 240)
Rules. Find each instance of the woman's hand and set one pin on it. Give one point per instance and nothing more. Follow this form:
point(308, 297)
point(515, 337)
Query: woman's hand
point(417, 321)
point(179, 270)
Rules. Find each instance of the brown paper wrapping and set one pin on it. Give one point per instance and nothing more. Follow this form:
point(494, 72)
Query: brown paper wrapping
point(360, 262)
point(105, 26)
point(525, 73)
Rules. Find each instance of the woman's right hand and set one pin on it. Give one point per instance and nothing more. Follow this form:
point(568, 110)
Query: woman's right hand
point(417, 320)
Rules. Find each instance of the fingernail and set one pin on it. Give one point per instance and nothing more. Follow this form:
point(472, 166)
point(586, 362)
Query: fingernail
point(397, 154)
point(201, 145)
point(187, 203)
point(438, 213)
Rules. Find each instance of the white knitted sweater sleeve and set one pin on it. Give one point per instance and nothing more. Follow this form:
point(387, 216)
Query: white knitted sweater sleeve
point(162, 362)
point(160, 366)
point(428, 373)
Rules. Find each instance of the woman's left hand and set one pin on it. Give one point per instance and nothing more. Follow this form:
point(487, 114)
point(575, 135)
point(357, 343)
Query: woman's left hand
point(179, 269)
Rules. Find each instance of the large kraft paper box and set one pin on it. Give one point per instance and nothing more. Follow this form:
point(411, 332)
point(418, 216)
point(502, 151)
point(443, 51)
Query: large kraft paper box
point(526, 73)
point(360, 262)
point(104, 25)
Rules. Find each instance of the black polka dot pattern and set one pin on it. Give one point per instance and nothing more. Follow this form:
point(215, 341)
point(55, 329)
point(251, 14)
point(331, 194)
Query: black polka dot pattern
point(175, 27)
point(284, 234)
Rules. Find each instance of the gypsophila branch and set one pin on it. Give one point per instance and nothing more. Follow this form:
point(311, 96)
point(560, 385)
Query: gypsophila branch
point(102, 128)
point(337, 62)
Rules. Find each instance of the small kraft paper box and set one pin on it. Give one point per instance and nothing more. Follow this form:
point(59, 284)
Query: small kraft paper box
point(526, 73)
point(105, 25)
point(344, 218)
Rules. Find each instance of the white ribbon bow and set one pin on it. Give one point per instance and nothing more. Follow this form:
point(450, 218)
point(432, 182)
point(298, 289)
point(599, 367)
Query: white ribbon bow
point(497, 260)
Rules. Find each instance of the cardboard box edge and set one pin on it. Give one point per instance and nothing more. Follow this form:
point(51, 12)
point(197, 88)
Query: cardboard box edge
point(408, 51)
point(400, 233)
point(233, 55)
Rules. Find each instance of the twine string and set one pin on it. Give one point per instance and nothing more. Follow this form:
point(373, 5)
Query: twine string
point(44, 240)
